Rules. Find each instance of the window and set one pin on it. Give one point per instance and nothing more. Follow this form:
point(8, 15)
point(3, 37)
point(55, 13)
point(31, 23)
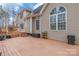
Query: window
point(37, 24)
point(53, 22)
point(58, 18)
point(22, 26)
point(21, 15)
point(61, 22)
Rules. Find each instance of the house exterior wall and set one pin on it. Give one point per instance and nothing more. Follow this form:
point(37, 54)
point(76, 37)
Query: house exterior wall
point(27, 28)
point(28, 25)
point(72, 22)
point(25, 21)
point(19, 22)
point(24, 14)
point(33, 25)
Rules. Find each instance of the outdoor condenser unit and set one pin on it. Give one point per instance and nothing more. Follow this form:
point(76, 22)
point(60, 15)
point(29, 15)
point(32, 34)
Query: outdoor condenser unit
point(71, 39)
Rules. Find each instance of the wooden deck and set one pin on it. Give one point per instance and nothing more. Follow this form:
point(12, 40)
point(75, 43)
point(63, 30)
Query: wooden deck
point(29, 46)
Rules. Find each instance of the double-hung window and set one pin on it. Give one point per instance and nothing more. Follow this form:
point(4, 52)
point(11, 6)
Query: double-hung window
point(22, 25)
point(37, 24)
point(53, 22)
point(58, 19)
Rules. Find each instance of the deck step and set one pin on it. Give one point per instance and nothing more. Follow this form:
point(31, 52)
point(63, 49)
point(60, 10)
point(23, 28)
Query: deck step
point(5, 51)
point(22, 52)
point(8, 51)
point(16, 53)
point(12, 51)
point(2, 51)
point(0, 48)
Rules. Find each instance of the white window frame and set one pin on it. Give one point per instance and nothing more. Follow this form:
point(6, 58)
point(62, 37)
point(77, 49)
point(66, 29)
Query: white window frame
point(50, 23)
point(23, 25)
point(38, 18)
point(38, 26)
point(57, 20)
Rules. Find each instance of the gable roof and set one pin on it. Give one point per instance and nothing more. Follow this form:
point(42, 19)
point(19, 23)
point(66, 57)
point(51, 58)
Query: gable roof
point(37, 10)
point(25, 9)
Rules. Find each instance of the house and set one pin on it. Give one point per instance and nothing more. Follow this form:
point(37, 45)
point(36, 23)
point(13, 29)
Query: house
point(57, 19)
point(21, 19)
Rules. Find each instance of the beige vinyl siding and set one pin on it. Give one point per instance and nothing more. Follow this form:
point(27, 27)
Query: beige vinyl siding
point(72, 22)
point(28, 26)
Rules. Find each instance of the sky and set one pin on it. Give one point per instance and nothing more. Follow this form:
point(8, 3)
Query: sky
point(9, 7)
point(31, 6)
point(18, 6)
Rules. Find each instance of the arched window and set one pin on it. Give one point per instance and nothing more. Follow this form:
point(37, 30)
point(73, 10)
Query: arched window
point(58, 18)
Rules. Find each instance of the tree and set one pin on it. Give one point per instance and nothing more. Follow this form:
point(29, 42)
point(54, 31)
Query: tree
point(4, 17)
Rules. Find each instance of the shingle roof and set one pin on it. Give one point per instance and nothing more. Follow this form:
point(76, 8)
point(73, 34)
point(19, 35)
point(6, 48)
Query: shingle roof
point(37, 10)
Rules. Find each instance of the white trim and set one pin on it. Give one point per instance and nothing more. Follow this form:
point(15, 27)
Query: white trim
point(57, 20)
point(30, 24)
point(43, 8)
point(66, 19)
point(49, 22)
point(25, 25)
point(40, 25)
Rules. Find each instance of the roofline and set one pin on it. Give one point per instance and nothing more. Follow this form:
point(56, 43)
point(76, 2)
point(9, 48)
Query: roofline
point(41, 12)
point(43, 8)
point(22, 10)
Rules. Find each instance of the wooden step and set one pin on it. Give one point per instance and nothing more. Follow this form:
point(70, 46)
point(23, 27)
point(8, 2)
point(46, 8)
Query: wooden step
point(13, 51)
point(0, 48)
point(16, 52)
point(22, 51)
point(8, 51)
point(5, 51)
point(2, 51)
